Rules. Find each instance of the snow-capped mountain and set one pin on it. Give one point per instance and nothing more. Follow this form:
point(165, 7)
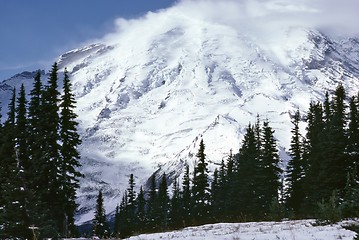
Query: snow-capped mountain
point(147, 94)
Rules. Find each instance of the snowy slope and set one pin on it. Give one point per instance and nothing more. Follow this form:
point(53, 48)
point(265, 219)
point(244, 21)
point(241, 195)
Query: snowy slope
point(149, 92)
point(287, 230)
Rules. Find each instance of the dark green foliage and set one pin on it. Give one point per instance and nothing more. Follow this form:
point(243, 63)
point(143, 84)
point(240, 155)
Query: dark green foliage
point(245, 188)
point(39, 149)
point(140, 211)
point(200, 189)
point(175, 207)
point(69, 162)
point(162, 217)
point(100, 227)
point(295, 169)
point(186, 199)
point(152, 205)
point(116, 224)
point(269, 169)
point(12, 209)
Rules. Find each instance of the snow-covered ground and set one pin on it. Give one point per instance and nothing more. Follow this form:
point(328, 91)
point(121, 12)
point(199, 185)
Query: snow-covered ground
point(287, 230)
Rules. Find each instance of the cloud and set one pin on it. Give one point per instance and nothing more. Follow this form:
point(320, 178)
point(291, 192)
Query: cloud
point(330, 15)
point(261, 19)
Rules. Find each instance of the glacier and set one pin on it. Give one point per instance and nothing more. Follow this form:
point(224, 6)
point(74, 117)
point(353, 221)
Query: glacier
point(149, 92)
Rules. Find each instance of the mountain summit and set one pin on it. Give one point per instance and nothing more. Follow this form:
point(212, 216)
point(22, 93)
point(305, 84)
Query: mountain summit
point(147, 94)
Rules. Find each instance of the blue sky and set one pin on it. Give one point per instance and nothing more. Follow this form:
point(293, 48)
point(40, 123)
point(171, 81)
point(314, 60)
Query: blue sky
point(35, 33)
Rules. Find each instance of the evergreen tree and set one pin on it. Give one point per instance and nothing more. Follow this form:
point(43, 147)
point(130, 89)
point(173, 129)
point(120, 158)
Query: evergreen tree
point(100, 227)
point(141, 219)
point(313, 154)
point(163, 204)
point(21, 132)
point(116, 224)
point(200, 190)
point(295, 168)
point(175, 209)
point(50, 167)
point(336, 162)
point(152, 205)
point(228, 187)
point(186, 200)
point(123, 217)
point(131, 204)
point(244, 187)
point(353, 138)
point(12, 207)
point(69, 178)
point(270, 168)
point(216, 207)
point(35, 134)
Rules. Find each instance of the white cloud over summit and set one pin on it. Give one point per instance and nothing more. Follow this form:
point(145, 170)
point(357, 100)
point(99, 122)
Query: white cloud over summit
point(331, 15)
point(259, 18)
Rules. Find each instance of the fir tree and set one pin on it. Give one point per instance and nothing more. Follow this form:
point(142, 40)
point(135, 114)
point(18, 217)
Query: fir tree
point(175, 209)
point(13, 206)
point(35, 133)
point(123, 217)
point(50, 168)
point(100, 227)
point(314, 186)
point(163, 204)
point(353, 138)
point(141, 219)
point(69, 154)
point(270, 169)
point(295, 169)
point(244, 188)
point(116, 224)
point(200, 190)
point(152, 205)
point(186, 200)
point(131, 204)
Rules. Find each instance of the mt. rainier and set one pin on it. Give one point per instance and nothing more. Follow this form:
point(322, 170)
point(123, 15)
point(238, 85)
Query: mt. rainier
point(149, 93)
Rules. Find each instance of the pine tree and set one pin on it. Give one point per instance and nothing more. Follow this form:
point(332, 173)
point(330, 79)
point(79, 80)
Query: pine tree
point(295, 168)
point(69, 154)
point(123, 217)
point(12, 209)
point(163, 204)
point(353, 138)
point(270, 169)
point(50, 169)
point(116, 224)
point(313, 154)
point(186, 200)
point(175, 209)
point(336, 162)
point(100, 227)
point(21, 132)
point(215, 194)
point(35, 134)
point(152, 205)
point(200, 189)
point(131, 204)
point(244, 197)
point(141, 219)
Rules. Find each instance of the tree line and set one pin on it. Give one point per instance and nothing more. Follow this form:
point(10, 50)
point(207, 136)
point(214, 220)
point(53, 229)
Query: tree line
point(320, 180)
point(39, 161)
